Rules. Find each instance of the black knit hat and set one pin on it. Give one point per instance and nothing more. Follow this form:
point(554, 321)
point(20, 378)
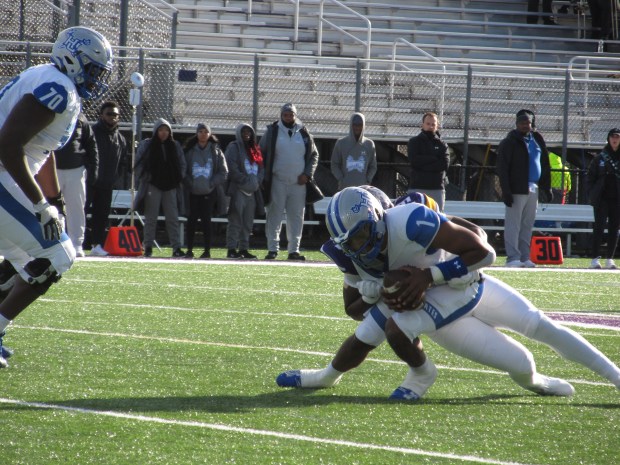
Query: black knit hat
point(530, 113)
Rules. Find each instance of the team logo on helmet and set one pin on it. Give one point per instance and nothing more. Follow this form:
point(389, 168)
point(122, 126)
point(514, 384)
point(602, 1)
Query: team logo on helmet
point(364, 203)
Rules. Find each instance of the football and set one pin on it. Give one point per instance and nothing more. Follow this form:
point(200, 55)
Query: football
point(391, 285)
point(392, 280)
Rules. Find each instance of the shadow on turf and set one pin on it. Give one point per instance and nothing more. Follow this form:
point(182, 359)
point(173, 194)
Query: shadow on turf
point(281, 399)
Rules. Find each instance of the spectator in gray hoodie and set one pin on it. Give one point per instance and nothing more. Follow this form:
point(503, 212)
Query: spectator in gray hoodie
point(354, 160)
point(160, 167)
point(206, 170)
point(246, 172)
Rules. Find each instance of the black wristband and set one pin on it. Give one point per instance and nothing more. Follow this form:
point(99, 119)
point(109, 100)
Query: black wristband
point(58, 201)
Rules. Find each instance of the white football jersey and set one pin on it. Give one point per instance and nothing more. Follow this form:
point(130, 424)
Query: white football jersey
point(54, 90)
point(411, 228)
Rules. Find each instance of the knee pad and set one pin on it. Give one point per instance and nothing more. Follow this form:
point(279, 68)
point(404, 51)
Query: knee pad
point(41, 274)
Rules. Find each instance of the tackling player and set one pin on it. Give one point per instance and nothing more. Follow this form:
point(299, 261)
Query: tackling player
point(38, 112)
point(473, 336)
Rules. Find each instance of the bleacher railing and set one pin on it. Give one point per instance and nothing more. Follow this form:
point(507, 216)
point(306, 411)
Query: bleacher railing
point(575, 108)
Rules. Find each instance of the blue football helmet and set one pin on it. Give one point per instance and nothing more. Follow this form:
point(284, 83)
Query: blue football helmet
point(355, 223)
point(85, 56)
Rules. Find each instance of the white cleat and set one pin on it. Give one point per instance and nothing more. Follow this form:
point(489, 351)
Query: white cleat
point(547, 386)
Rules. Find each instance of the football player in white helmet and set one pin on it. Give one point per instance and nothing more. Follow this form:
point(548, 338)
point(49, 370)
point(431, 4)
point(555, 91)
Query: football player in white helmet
point(472, 335)
point(38, 112)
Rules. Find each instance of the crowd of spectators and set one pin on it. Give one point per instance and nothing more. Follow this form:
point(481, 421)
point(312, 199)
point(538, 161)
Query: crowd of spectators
point(270, 177)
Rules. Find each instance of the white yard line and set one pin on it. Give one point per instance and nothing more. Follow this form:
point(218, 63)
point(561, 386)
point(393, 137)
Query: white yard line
point(253, 348)
point(257, 432)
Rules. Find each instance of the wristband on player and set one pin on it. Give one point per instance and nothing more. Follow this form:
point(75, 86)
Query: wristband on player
point(445, 271)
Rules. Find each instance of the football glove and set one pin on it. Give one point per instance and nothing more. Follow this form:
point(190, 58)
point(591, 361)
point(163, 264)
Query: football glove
point(51, 224)
point(370, 290)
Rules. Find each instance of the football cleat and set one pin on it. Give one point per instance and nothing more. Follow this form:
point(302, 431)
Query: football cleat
point(547, 386)
point(309, 379)
point(417, 382)
point(403, 393)
point(291, 378)
point(3, 362)
point(5, 352)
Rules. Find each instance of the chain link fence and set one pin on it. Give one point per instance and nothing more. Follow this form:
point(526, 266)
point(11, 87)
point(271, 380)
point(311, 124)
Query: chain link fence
point(121, 22)
point(574, 108)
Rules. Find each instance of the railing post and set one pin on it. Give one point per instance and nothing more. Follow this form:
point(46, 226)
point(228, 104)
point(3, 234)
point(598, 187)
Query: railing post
point(358, 86)
point(175, 25)
point(255, 95)
point(296, 24)
point(466, 128)
point(319, 35)
point(140, 106)
point(28, 55)
point(565, 122)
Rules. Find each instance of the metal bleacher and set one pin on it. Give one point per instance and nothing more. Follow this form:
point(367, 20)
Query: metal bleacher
point(491, 30)
point(310, 38)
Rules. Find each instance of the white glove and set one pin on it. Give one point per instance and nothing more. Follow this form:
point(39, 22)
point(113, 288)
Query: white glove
point(51, 225)
point(370, 290)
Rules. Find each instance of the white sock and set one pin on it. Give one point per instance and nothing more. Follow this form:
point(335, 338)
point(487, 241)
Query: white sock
point(426, 368)
point(420, 379)
point(4, 323)
point(327, 377)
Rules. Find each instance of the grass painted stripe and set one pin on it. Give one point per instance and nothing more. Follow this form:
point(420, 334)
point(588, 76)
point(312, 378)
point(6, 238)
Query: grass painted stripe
point(579, 319)
point(258, 432)
point(249, 347)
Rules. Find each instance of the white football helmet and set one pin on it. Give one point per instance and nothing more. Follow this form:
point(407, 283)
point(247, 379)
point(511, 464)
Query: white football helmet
point(355, 223)
point(86, 57)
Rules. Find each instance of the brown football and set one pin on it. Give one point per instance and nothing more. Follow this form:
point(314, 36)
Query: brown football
point(391, 284)
point(392, 279)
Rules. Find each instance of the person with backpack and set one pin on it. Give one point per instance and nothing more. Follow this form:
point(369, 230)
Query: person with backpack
point(290, 161)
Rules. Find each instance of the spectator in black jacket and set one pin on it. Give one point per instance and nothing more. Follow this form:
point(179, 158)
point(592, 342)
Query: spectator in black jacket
point(160, 168)
point(73, 162)
point(429, 159)
point(603, 188)
point(112, 149)
point(524, 171)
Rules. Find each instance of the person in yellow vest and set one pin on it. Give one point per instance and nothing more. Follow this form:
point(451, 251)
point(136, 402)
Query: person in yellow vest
point(559, 187)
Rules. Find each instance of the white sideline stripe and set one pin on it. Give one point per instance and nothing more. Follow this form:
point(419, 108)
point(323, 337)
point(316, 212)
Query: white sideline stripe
point(216, 261)
point(211, 288)
point(257, 432)
point(320, 317)
point(219, 310)
point(275, 349)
